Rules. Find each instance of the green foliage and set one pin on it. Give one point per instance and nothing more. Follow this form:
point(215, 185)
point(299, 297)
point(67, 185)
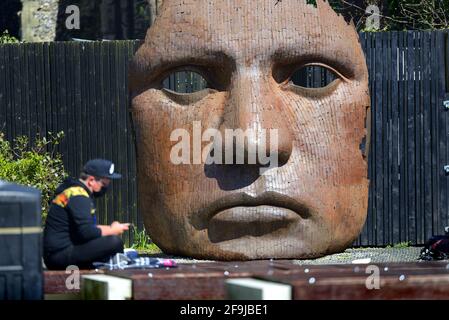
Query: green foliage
point(400, 245)
point(33, 164)
point(420, 14)
point(396, 14)
point(370, 29)
point(142, 10)
point(143, 243)
point(5, 37)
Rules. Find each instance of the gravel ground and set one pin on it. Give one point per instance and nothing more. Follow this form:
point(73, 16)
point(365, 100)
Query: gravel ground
point(377, 255)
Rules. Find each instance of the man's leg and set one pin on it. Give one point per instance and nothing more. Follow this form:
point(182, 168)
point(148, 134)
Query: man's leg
point(97, 250)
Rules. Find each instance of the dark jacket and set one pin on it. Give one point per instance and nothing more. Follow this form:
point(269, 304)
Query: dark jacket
point(71, 218)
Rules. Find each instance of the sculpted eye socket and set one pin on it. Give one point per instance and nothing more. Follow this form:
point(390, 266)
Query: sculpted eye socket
point(313, 80)
point(313, 76)
point(184, 82)
point(186, 87)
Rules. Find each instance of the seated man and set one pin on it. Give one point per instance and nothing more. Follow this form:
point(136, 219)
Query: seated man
point(71, 235)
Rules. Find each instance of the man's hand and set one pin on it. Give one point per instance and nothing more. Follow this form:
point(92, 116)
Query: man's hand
point(115, 229)
point(118, 227)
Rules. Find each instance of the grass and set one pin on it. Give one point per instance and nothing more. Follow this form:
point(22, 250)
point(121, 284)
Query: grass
point(142, 242)
point(404, 244)
point(341, 256)
point(152, 248)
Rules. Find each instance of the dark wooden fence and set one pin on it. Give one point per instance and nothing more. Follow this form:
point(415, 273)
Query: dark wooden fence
point(81, 89)
point(409, 188)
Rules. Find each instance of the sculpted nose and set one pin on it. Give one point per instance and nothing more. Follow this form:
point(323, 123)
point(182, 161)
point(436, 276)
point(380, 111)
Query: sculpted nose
point(254, 107)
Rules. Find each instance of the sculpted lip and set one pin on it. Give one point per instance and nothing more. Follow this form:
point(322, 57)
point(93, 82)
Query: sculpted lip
point(282, 208)
point(238, 222)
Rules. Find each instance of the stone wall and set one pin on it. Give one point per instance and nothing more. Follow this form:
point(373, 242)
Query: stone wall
point(39, 20)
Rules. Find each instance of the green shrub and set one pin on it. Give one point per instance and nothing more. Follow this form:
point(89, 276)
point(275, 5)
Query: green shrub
point(143, 243)
point(5, 37)
point(36, 165)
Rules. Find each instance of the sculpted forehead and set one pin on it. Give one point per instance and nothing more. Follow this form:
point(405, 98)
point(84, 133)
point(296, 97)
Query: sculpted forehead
point(250, 21)
point(248, 30)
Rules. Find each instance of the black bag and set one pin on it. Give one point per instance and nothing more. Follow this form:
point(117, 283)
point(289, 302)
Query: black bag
point(436, 248)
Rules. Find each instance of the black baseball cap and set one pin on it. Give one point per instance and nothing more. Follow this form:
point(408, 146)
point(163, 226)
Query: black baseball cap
point(101, 168)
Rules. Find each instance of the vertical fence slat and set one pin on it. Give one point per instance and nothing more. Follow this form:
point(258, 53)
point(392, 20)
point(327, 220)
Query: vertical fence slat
point(71, 107)
point(86, 106)
point(418, 137)
point(77, 51)
point(428, 189)
point(403, 136)
point(108, 148)
point(17, 106)
point(47, 87)
point(111, 108)
point(9, 93)
point(120, 130)
point(95, 98)
point(409, 115)
point(379, 142)
point(61, 104)
point(132, 151)
point(386, 90)
point(395, 180)
point(371, 219)
point(40, 89)
point(53, 91)
point(122, 108)
point(30, 85)
point(6, 91)
point(435, 134)
point(24, 84)
point(123, 117)
point(90, 103)
point(99, 56)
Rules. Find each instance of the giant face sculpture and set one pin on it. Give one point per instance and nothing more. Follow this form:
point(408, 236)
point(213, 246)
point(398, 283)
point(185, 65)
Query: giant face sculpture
point(314, 201)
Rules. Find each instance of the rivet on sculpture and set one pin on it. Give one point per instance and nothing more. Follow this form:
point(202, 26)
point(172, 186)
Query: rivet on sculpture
point(314, 201)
